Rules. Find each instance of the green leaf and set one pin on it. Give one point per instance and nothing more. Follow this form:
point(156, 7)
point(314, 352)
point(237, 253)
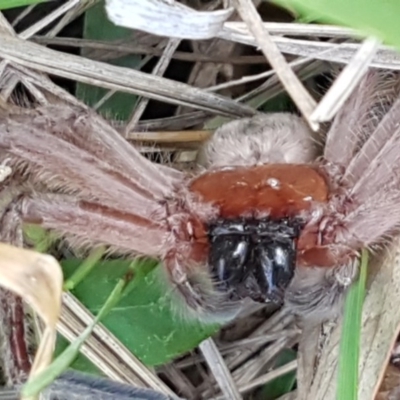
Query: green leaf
point(5, 4)
point(98, 27)
point(350, 341)
point(378, 18)
point(280, 103)
point(144, 319)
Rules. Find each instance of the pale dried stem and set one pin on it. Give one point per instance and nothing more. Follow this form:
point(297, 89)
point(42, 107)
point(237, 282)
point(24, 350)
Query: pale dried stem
point(292, 84)
point(48, 19)
point(219, 369)
point(266, 378)
point(346, 82)
point(112, 77)
point(104, 350)
point(71, 15)
point(158, 70)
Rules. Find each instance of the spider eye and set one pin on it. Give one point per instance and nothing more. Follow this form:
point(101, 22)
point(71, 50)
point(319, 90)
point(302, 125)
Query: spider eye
point(229, 253)
point(274, 265)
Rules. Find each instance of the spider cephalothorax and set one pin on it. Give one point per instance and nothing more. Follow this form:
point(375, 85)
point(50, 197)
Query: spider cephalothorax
point(265, 218)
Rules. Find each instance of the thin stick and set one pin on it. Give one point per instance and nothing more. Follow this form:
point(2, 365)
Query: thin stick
point(158, 70)
point(296, 29)
point(346, 82)
point(23, 14)
point(266, 378)
point(48, 19)
point(169, 137)
point(219, 369)
point(386, 57)
point(71, 15)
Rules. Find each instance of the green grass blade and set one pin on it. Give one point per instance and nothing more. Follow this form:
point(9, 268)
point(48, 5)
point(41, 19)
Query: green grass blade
point(4, 4)
point(64, 360)
point(351, 332)
point(84, 269)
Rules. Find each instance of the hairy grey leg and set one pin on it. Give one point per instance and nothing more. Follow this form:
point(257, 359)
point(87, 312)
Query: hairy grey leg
point(317, 294)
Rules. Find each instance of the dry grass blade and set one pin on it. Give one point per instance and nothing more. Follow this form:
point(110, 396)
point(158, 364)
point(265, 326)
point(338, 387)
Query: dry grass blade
point(44, 83)
point(170, 19)
point(180, 380)
point(252, 368)
point(276, 323)
point(206, 75)
point(5, 27)
point(38, 279)
point(118, 78)
point(24, 13)
point(72, 14)
point(295, 29)
point(219, 370)
point(386, 57)
point(346, 82)
point(104, 350)
point(266, 378)
point(379, 331)
point(48, 19)
point(249, 362)
point(292, 84)
point(159, 70)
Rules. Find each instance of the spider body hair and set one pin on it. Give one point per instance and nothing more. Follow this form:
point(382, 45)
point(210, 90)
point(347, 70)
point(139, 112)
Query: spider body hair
point(263, 139)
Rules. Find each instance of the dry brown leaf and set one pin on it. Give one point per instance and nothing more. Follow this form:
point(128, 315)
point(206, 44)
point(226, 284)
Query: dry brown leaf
point(38, 279)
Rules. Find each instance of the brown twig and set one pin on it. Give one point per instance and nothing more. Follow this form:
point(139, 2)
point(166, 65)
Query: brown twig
point(169, 137)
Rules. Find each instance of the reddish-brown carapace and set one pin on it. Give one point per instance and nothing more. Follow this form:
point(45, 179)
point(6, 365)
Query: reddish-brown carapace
point(266, 197)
